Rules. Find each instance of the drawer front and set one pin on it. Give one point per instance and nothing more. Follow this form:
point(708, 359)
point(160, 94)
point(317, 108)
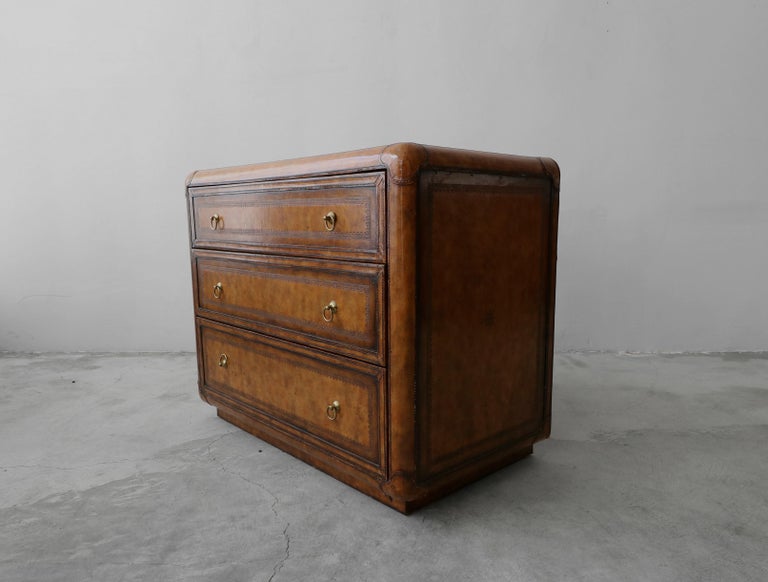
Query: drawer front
point(293, 389)
point(328, 304)
point(339, 217)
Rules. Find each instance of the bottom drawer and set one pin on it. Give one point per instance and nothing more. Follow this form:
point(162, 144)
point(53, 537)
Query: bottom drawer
point(330, 402)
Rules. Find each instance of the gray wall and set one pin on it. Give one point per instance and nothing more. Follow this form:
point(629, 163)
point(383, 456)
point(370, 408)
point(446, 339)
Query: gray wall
point(655, 111)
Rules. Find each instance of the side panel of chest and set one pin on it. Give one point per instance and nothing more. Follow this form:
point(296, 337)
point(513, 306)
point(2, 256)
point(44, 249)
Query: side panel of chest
point(485, 261)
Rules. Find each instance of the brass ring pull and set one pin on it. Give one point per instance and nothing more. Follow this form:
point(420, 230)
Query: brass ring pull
point(215, 219)
point(218, 289)
point(223, 360)
point(332, 410)
point(329, 311)
point(330, 220)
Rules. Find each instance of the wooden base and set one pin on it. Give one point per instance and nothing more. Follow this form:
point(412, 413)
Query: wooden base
point(421, 493)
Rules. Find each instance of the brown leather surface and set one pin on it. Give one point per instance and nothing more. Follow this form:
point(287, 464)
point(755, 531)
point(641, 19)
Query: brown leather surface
point(483, 301)
point(403, 161)
point(287, 217)
point(295, 386)
point(287, 297)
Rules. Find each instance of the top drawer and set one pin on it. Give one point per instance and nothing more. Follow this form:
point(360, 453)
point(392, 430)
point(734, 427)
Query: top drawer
point(340, 217)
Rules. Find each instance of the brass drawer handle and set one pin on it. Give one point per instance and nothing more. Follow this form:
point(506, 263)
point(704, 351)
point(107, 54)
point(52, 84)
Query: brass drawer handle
point(215, 220)
point(332, 410)
point(330, 220)
point(329, 311)
point(218, 289)
point(223, 360)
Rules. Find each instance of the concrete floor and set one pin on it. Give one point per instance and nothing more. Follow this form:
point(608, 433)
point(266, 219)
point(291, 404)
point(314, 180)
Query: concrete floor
point(113, 470)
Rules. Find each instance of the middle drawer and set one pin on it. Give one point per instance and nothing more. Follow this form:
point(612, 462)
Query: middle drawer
point(333, 305)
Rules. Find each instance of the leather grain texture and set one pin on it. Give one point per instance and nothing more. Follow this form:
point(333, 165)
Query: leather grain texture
point(286, 297)
point(292, 387)
point(483, 301)
point(286, 217)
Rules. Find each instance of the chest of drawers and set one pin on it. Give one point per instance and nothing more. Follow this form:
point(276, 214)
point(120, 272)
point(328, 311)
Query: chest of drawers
point(385, 315)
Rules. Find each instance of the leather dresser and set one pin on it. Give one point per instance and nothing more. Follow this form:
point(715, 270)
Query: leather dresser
point(385, 315)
